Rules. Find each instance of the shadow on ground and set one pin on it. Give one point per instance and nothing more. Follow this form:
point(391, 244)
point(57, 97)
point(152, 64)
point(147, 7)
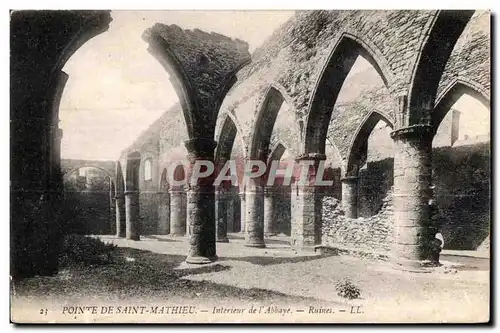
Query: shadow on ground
point(265, 261)
point(467, 263)
point(134, 273)
point(160, 239)
point(266, 240)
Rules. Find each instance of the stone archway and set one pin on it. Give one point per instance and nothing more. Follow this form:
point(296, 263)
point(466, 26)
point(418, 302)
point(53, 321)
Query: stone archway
point(89, 194)
point(38, 52)
point(201, 82)
point(357, 156)
point(413, 141)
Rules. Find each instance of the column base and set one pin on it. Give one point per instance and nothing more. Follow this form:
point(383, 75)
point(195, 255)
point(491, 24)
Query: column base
point(222, 240)
point(177, 235)
point(270, 234)
point(305, 248)
point(134, 238)
point(256, 245)
point(120, 235)
point(415, 266)
point(200, 260)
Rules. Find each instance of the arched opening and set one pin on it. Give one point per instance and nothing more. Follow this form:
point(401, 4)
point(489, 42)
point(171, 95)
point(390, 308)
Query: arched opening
point(120, 221)
point(40, 44)
point(148, 172)
point(178, 200)
point(334, 169)
point(447, 28)
point(89, 201)
point(349, 112)
point(261, 201)
point(164, 186)
point(371, 160)
point(461, 168)
point(179, 176)
point(225, 142)
point(132, 172)
point(230, 147)
point(278, 209)
point(273, 103)
point(163, 205)
point(115, 92)
point(340, 65)
point(120, 180)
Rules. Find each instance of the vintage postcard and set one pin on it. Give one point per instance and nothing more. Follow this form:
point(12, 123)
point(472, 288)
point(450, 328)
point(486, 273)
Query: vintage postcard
point(313, 166)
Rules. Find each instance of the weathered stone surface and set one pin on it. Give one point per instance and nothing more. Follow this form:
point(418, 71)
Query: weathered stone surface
point(254, 217)
point(221, 215)
point(163, 213)
point(132, 212)
point(350, 196)
point(70, 165)
point(470, 60)
point(367, 235)
point(203, 64)
point(120, 215)
point(178, 213)
point(306, 217)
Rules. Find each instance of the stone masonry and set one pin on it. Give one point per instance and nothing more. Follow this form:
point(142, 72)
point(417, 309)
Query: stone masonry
point(236, 104)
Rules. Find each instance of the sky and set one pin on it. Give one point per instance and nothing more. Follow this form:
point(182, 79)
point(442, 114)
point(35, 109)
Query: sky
point(116, 89)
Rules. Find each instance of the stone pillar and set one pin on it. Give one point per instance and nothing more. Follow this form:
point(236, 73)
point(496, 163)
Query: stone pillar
point(254, 216)
point(412, 179)
point(120, 215)
point(187, 227)
point(350, 196)
point(112, 209)
point(270, 218)
point(163, 213)
point(132, 215)
point(177, 212)
point(230, 216)
point(243, 210)
point(221, 206)
point(307, 208)
point(201, 205)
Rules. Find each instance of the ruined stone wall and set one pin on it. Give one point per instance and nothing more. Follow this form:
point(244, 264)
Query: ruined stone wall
point(89, 213)
point(374, 183)
point(461, 176)
point(362, 235)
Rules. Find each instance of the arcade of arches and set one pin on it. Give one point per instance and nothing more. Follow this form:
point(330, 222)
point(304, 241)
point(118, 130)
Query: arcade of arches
point(381, 98)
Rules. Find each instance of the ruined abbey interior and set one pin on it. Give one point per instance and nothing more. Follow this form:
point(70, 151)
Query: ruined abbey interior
point(391, 136)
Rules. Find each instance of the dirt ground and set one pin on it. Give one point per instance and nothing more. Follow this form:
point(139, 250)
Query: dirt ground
point(274, 284)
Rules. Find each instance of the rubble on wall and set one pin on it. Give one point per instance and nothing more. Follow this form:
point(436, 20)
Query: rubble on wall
point(362, 236)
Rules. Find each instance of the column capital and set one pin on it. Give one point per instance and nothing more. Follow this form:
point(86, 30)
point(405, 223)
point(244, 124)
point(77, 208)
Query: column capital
point(200, 147)
point(162, 192)
point(418, 131)
point(130, 192)
point(311, 157)
point(177, 191)
point(271, 189)
point(221, 191)
point(349, 179)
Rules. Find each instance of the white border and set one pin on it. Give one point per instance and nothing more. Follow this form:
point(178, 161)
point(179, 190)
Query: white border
point(189, 4)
